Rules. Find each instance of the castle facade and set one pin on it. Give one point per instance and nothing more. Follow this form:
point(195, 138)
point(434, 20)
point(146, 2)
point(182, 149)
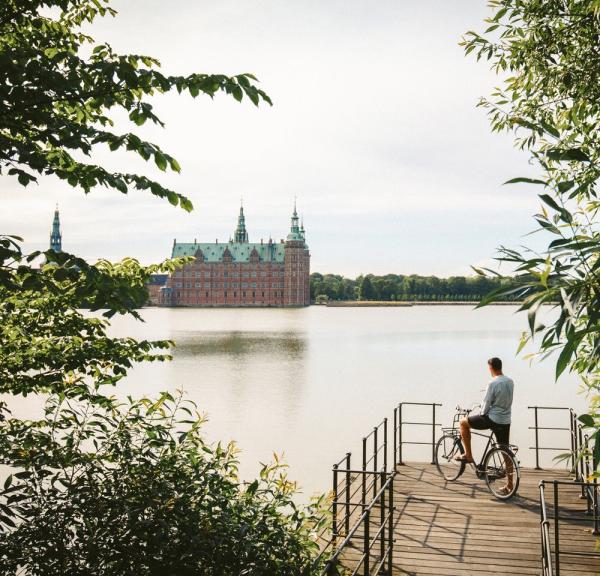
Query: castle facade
point(242, 273)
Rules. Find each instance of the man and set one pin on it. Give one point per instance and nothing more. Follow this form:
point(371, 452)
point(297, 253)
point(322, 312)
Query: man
point(494, 415)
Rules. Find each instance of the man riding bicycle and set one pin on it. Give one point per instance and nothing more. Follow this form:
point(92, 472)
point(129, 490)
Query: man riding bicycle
point(495, 413)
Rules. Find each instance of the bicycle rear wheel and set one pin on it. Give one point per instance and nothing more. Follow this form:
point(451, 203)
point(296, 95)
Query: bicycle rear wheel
point(502, 473)
point(448, 447)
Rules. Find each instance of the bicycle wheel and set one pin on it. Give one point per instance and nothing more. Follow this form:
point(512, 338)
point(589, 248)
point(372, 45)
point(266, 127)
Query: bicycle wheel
point(502, 473)
point(448, 447)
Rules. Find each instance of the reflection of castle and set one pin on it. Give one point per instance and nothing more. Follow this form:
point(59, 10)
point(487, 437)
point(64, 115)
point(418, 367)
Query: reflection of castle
point(240, 273)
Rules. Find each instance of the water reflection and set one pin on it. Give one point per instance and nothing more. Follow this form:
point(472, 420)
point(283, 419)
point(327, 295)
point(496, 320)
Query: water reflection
point(237, 344)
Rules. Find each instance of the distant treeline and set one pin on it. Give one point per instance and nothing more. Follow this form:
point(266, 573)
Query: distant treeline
point(401, 288)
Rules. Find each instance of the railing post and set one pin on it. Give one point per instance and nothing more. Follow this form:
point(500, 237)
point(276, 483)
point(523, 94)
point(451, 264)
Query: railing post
point(400, 462)
point(364, 473)
point(348, 482)
point(366, 543)
point(374, 461)
point(581, 460)
point(573, 443)
point(395, 437)
point(385, 444)
point(390, 527)
point(537, 440)
point(382, 521)
point(588, 498)
point(556, 536)
point(335, 498)
point(433, 436)
point(596, 512)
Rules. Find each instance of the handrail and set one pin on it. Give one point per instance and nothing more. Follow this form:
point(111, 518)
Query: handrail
point(551, 558)
point(545, 535)
point(537, 428)
point(399, 440)
point(368, 542)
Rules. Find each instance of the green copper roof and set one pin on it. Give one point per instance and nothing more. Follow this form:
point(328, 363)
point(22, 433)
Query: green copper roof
point(240, 252)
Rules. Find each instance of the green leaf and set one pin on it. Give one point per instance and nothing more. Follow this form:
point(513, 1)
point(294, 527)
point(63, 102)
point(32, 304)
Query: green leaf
point(525, 180)
point(564, 358)
point(160, 161)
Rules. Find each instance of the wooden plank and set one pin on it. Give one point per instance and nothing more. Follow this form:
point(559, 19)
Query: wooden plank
point(459, 528)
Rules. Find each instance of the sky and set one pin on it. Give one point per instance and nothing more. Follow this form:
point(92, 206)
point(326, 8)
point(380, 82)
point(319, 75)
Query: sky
point(374, 129)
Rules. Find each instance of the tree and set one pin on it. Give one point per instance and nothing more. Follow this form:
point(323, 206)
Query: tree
point(59, 87)
point(96, 486)
point(547, 53)
point(367, 292)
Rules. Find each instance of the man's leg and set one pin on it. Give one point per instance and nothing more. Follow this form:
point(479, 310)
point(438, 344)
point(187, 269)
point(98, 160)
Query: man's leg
point(465, 434)
point(503, 437)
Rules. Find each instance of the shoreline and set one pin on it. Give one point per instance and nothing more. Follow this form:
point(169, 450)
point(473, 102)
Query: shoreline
point(384, 303)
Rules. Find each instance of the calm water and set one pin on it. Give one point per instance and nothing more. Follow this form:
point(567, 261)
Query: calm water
point(309, 383)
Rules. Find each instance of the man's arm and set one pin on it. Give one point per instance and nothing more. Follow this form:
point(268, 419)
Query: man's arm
point(487, 401)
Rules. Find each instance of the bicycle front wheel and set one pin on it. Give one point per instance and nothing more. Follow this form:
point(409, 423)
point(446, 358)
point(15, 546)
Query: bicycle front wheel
point(448, 448)
point(502, 473)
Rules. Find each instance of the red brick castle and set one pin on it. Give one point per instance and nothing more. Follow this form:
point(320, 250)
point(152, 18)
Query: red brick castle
point(241, 273)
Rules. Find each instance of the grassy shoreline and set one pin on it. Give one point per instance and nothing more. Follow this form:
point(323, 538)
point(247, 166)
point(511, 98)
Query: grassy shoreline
point(385, 303)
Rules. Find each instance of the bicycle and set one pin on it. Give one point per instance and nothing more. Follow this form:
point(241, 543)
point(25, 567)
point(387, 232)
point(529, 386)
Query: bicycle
point(498, 462)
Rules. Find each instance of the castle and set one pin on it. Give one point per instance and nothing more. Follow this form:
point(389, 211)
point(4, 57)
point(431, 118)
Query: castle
point(241, 273)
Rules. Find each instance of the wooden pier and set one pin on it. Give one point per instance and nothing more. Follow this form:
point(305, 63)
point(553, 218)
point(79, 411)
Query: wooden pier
point(392, 517)
point(455, 528)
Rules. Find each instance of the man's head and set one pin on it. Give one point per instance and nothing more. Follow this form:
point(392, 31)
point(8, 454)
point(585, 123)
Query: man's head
point(495, 366)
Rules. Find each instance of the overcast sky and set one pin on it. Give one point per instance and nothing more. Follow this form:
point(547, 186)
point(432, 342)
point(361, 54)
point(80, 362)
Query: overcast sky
point(374, 128)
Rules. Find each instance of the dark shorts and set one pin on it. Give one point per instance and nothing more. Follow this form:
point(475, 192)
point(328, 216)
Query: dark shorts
point(501, 431)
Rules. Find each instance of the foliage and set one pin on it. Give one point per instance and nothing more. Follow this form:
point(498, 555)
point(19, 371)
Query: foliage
point(97, 486)
point(547, 55)
point(133, 488)
point(404, 288)
point(59, 88)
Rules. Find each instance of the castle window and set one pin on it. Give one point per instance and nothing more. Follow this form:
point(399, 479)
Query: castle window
point(253, 285)
point(207, 294)
point(225, 293)
point(177, 284)
point(207, 274)
point(197, 284)
point(244, 294)
point(253, 274)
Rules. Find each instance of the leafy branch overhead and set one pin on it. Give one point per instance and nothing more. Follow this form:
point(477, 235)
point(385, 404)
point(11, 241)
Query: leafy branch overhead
point(59, 88)
point(547, 55)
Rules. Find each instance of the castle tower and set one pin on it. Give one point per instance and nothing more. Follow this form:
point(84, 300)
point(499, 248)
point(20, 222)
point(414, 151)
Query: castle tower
point(297, 266)
point(240, 235)
point(56, 236)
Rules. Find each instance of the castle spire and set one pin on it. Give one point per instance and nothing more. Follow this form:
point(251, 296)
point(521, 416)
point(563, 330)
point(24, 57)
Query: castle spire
point(295, 233)
point(56, 236)
point(241, 235)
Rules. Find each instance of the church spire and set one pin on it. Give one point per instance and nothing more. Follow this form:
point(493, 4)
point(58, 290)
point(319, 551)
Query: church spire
point(241, 235)
point(56, 236)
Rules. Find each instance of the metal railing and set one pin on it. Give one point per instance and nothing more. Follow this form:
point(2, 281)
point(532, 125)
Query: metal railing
point(363, 482)
point(372, 534)
point(400, 423)
point(550, 525)
point(537, 428)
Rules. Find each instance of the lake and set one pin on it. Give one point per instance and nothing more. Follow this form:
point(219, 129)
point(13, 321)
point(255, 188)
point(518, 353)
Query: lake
point(309, 383)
